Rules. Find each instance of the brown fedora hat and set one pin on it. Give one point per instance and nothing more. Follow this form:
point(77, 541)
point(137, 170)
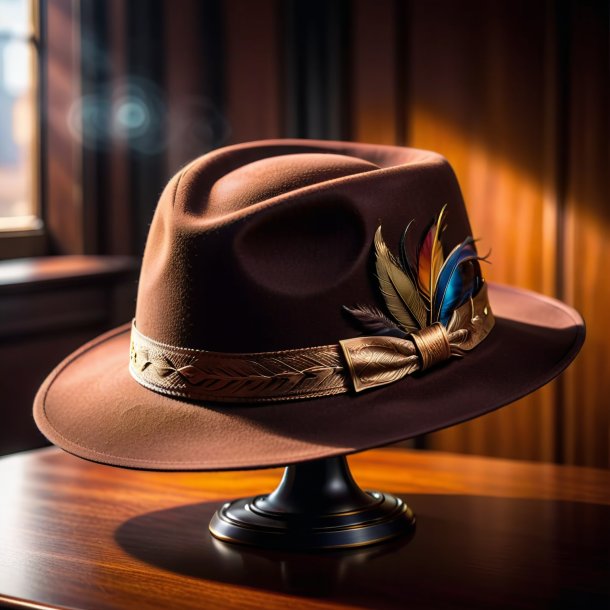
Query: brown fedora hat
point(276, 323)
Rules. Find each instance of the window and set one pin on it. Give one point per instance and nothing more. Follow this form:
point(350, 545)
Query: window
point(19, 112)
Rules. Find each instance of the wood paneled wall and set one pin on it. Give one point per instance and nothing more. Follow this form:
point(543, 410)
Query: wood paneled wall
point(585, 407)
point(514, 93)
point(482, 90)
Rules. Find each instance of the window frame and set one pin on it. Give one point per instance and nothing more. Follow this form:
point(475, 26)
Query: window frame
point(58, 153)
point(32, 240)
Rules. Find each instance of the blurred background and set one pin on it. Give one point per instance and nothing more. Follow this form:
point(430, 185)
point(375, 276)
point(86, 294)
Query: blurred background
point(101, 101)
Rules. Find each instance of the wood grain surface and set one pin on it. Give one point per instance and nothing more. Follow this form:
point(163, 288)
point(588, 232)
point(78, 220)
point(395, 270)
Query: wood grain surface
point(487, 112)
point(490, 532)
point(587, 218)
point(515, 95)
point(253, 57)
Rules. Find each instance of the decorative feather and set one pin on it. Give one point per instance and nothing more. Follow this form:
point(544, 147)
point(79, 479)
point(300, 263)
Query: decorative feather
point(400, 294)
point(373, 320)
point(437, 257)
point(406, 254)
point(422, 260)
point(422, 289)
point(430, 256)
point(458, 280)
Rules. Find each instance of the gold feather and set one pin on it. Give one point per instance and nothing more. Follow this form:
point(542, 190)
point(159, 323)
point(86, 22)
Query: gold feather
point(437, 258)
point(399, 292)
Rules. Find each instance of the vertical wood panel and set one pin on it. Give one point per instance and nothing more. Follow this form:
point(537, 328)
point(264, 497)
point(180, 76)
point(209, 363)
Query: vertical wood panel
point(147, 71)
point(62, 154)
point(253, 69)
point(374, 79)
point(119, 222)
point(587, 382)
point(315, 36)
point(196, 77)
point(477, 94)
point(94, 79)
point(184, 59)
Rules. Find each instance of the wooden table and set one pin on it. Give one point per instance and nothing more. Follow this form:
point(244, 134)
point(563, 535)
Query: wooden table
point(490, 533)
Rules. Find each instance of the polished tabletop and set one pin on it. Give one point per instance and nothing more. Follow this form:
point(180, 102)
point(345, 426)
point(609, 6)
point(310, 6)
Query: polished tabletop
point(490, 533)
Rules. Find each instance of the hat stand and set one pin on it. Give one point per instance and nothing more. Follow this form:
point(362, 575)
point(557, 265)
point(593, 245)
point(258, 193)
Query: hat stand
point(316, 506)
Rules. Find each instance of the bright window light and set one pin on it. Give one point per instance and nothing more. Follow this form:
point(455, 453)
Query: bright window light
point(19, 208)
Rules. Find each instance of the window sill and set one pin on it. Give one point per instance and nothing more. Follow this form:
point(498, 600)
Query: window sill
point(63, 293)
point(33, 274)
point(15, 244)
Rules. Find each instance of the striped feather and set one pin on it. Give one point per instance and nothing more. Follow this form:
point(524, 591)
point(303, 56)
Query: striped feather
point(430, 256)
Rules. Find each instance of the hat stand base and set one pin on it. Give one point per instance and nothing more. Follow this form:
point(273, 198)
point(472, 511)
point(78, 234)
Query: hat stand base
point(316, 506)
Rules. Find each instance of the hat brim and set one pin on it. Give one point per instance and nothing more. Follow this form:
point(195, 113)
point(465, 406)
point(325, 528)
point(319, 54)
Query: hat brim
point(92, 407)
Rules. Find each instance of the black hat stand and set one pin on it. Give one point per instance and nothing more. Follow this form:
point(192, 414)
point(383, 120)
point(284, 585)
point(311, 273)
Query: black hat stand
point(316, 506)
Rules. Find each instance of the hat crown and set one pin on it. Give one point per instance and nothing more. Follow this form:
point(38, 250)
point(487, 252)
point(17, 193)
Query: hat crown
point(273, 176)
point(257, 247)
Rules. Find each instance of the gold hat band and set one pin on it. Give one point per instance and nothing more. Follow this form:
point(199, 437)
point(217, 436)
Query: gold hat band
point(352, 364)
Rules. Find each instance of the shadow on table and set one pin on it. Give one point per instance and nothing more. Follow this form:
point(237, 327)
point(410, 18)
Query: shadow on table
point(468, 551)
